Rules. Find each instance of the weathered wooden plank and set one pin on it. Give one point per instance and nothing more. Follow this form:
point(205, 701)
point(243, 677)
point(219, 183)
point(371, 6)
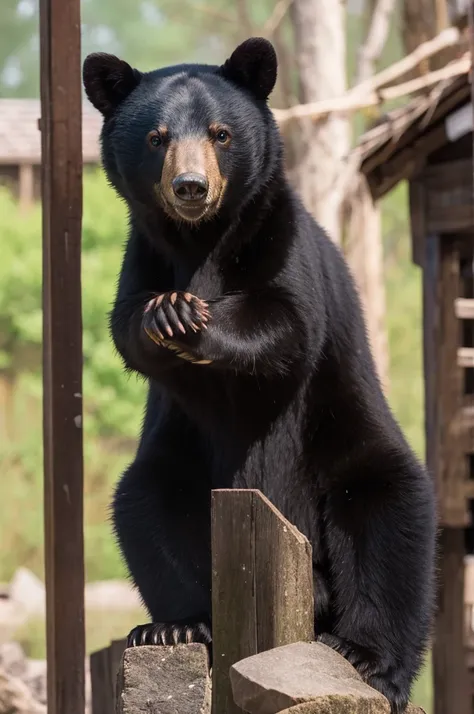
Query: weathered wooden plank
point(406, 163)
point(454, 217)
point(450, 174)
point(465, 357)
point(101, 682)
point(262, 574)
point(394, 154)
point(464, 308)
point(452, 472)
point(430, 351)
point(469, 489)
point(116, 650)
point(417, 221)
point(448, 189)
point(467, 332)
point(452, 695)
point(104, 667)
point(60, 32)
point(284, 579)
point(234, 605)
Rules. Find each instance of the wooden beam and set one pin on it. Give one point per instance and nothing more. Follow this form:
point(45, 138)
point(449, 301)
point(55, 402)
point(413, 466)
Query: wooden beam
point(452, 695)
point(464, 308)
point(417, 221)
point(104, 669)
point(61, 143)
point(385, 166)
point(262, 574)
point(452, 471)
point(431, 340)
point(466, 357)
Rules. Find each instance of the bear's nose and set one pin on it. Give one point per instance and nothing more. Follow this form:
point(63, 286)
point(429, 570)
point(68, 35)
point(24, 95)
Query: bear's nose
point(190, 187)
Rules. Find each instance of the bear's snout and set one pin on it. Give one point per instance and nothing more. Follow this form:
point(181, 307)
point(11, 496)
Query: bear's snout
point(190, 187)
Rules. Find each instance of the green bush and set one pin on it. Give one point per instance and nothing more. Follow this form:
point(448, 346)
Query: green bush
point(113, 401)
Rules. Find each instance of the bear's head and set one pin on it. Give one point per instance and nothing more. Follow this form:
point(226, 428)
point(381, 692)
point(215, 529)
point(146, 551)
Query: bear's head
point(195, 141)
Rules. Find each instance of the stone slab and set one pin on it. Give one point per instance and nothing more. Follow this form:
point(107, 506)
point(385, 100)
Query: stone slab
point(304, 678)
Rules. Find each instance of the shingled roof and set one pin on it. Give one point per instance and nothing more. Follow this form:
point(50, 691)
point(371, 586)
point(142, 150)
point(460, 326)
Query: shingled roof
point(398, 146)
point(20, 138)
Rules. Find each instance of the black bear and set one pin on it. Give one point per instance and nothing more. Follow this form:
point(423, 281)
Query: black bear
point(243, 317)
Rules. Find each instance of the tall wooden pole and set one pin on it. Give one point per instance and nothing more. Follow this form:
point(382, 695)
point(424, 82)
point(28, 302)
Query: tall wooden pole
point(61, 124)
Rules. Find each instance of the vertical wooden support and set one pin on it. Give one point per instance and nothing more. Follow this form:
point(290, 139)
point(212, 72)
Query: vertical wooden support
point(104, 668)
point(101, 683)
point(61, 143)
point(430, 263)
point(262, 584)
point(451, 684)
point(25, 186)
point(445, 459)
point(452, 466)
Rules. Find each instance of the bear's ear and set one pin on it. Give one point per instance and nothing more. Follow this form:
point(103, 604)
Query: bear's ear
point(108, 80)
point(253, 65)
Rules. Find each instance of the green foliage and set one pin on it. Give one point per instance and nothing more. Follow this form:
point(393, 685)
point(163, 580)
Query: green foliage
point(111, 402)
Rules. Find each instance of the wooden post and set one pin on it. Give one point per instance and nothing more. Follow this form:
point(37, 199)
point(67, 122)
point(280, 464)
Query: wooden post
point(61, 143)
point(25, 186)
point(262, 585)
point(104, 668)
point(451, 691)
point(446, 462)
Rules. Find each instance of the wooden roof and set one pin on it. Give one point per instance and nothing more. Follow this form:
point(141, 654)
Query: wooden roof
point(397, 147)
point(20, 138)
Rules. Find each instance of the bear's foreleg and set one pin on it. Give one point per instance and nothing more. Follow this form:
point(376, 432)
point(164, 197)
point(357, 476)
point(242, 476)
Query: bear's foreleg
point(253, 334)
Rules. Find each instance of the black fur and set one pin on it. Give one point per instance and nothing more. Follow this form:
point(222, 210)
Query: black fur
point(290, 403)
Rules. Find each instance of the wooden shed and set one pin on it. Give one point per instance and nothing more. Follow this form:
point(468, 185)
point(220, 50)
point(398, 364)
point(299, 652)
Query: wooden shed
point(429, 143)
point(20, 145)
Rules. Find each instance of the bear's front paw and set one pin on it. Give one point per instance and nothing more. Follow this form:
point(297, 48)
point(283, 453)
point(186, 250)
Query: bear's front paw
point(172, 314)
point(159, 633)
point(384, 676)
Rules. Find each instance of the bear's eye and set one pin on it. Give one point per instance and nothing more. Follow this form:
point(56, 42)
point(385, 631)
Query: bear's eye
point(222, 136)
point(154, 139)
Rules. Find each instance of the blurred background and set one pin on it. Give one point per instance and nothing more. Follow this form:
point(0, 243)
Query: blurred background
point(348, 44)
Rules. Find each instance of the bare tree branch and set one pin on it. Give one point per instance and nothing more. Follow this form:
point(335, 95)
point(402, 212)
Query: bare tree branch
point(176, 13)
point(369, 93)
point(376, 38)
point(441, 15)
point(244, 18)
point(364, 247)
point(275, 19)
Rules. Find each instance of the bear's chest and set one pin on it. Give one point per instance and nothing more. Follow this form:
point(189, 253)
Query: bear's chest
point(217, 275)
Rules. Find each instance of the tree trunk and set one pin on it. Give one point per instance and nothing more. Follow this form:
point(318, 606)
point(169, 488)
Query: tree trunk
point(364, 253)
point(364, 245)
point(320, 39)
point(421, 21)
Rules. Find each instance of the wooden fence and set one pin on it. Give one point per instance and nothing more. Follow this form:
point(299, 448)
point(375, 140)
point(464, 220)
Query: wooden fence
point(261, 574)
point(262, 599)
